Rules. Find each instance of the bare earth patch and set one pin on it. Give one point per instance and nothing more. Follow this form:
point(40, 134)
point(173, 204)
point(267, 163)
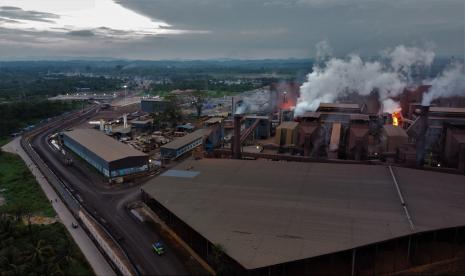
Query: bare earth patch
point(40, 220)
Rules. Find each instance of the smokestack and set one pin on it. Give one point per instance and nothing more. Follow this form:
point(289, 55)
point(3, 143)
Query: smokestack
point(236, 143)
point(125, 120)
point(102, 125)
point(421, 139)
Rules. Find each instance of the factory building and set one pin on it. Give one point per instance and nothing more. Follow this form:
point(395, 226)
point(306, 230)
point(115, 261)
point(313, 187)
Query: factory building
point(352, 220)
point(454, 149)
point(183, 144)
point(107, 155)
point(395, 137)
point(261, 125)
point(286, 134)
point(217, 133)
point(153, 105)
point(359, 129)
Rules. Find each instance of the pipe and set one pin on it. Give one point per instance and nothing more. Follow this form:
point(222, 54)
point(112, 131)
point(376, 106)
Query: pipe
point(236, 144)
point(421, 140)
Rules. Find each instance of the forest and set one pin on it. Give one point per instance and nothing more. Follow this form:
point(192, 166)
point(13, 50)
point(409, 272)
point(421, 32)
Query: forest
point(14, 116)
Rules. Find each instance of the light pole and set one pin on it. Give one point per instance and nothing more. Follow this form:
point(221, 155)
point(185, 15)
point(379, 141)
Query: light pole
point(125, 93)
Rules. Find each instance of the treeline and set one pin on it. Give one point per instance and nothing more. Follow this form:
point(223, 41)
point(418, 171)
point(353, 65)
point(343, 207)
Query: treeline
point(29, 249)
point(17, 115)
point(14, 88)
point(198, 84)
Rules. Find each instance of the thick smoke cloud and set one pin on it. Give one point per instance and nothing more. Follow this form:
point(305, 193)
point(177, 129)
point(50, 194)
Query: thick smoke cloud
point(450, 83)
point(340, 76)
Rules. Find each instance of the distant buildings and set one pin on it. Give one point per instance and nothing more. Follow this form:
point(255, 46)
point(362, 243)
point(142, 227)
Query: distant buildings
point(153, 105)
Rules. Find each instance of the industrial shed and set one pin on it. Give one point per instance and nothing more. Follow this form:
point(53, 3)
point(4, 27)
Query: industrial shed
point(290, 218)
point(107, 155)
point(183, 144)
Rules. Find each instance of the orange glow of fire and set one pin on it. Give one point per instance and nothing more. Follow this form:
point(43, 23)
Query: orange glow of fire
point(396, 118)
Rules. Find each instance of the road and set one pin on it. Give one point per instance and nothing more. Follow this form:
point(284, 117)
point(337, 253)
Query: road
point(108, 204)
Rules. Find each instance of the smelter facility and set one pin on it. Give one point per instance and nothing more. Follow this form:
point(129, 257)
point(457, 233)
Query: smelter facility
point(109, 156)
point(277, 218)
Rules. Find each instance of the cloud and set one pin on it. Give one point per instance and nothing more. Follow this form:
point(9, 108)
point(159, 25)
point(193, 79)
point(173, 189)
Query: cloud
point(102, 17)
point(82, 33)
point(244, 28)
point(14, 14)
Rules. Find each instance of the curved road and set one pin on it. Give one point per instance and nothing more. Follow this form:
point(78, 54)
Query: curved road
point(108, 204)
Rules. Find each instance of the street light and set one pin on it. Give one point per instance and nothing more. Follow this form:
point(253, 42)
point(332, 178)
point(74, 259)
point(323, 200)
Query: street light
point(125, 93)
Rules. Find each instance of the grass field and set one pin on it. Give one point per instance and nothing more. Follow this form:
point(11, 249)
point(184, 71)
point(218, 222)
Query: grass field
point(4, 141)
point(20, 189)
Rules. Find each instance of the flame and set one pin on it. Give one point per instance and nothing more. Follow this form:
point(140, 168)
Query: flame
point(396, 118)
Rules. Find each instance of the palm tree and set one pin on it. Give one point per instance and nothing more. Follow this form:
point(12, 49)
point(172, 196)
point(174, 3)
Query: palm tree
point(41, 252)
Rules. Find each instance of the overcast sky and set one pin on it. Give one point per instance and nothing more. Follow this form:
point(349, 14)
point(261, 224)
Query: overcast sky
point(207, 29)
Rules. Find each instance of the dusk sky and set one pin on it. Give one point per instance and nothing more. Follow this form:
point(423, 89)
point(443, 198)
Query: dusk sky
point(207, 29)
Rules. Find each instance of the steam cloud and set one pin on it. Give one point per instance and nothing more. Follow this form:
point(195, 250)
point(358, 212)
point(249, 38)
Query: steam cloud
point(340, 76)
point(450, 83)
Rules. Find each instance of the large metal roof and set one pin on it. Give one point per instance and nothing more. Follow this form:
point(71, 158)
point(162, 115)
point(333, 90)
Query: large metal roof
point(102, 145)
point(185, 140)
point(269, 212)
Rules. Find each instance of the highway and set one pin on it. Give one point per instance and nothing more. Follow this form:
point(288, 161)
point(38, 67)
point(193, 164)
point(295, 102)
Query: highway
point(107, 204)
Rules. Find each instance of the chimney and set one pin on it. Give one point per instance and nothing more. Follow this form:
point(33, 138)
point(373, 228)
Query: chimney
point(102, 125)
point(421, 139)
point(125, 120)
point(236, 143)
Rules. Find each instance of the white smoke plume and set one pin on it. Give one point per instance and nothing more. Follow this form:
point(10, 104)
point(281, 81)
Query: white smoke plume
point(323, 51)
point(341, 76)
point(450, 83)
point(404, 59)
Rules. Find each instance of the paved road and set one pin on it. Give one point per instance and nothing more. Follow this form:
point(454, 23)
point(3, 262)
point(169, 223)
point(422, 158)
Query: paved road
point(109, 204)
point(88, 248)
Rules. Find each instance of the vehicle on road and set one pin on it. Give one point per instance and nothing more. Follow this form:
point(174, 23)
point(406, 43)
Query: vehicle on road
point(74, 225)
point(158, 248)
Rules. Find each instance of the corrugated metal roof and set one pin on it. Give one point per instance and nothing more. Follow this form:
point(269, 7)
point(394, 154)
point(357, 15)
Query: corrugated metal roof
point(266, 212)
point(102, 145)
point(214, 120)
point(447, 109)
point(185, 140)
point(288, 125)
point(339, 105)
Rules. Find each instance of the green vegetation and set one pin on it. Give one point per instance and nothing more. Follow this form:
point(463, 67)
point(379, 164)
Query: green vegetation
point(4, 141)
point(22, 193)
point(172, 115)
point(16, 115)
point(13, 87)
point(217, 259)
point(200, 97)
point(38, 250)
point(27, 248)
point(216, 87)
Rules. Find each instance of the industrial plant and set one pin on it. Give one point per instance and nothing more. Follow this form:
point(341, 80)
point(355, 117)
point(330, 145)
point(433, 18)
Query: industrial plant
point(272, 185)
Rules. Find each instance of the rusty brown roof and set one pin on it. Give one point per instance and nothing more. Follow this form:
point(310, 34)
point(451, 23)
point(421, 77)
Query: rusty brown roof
point(266, 212)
